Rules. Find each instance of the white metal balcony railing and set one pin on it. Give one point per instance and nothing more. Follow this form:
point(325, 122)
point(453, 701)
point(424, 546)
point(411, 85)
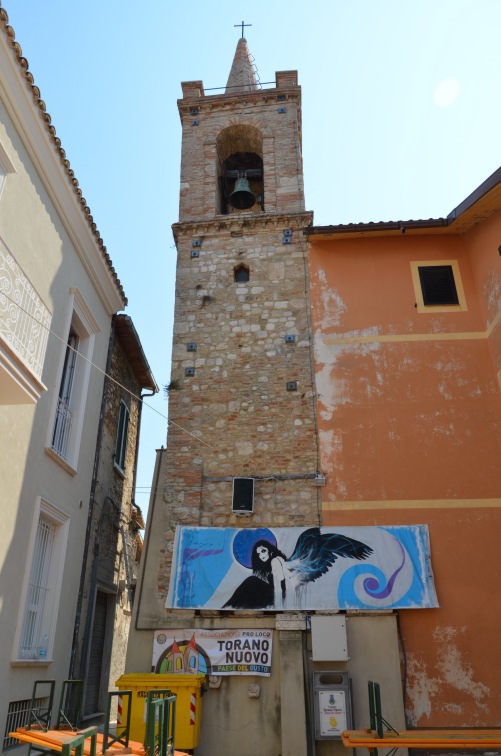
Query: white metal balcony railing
point(24, 319)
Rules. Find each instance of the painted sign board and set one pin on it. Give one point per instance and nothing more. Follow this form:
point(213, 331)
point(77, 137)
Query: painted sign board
point(276, 569)
point(213, 652)
point(332, 713)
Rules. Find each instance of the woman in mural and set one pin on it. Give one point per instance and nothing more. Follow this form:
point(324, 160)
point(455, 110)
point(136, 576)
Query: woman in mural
point(258, 591)
point(277, 581)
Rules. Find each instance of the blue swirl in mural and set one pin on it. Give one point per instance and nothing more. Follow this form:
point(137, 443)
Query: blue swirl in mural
point(387, 592)
point(372, 584)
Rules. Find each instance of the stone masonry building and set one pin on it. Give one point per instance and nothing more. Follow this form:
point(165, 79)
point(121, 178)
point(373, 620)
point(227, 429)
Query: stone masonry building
point(242, 400)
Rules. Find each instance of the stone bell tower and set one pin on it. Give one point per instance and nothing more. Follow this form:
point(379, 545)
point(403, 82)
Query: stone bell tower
point(242, 397)
point(242, 333)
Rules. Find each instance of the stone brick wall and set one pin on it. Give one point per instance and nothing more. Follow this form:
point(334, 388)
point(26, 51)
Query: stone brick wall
point(235, 416)
point(112, 510)
point(279, 124)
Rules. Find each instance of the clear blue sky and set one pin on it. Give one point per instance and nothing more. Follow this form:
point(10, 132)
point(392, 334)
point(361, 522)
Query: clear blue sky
point(401, 118)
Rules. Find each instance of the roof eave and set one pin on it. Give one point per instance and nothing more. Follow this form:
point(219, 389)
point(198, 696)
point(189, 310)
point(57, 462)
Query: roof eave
point(481, 203)
point(129, 340)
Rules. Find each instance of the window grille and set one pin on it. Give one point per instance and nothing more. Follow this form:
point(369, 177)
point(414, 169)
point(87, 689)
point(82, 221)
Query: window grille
point(64, 415)
point(34, 637)
point(18, 715)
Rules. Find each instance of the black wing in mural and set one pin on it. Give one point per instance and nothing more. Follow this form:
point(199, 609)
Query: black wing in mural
point(315, 552)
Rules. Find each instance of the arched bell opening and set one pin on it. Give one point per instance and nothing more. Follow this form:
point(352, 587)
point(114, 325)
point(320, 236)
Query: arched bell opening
point(240, 170)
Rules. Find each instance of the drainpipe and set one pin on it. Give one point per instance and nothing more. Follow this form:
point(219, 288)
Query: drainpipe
point(97, 456)
point(136, 453)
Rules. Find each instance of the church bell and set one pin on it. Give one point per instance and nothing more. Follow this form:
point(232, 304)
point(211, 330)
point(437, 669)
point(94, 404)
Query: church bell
point(241, 197)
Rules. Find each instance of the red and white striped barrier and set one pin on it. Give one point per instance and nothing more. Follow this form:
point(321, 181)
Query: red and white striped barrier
point(193, 705)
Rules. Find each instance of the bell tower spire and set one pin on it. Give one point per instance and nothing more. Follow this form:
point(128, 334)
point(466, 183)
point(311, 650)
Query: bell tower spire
point(242, 76)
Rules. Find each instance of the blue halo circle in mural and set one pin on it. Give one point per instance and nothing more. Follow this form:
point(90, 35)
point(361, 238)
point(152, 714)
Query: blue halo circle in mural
point(244, 542)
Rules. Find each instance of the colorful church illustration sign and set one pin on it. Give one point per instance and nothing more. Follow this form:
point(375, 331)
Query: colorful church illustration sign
point(212, 652)
point(302, 568)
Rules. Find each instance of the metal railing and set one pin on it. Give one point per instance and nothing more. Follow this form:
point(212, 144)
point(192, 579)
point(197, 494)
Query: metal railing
point(24, 318)
point(62, 429)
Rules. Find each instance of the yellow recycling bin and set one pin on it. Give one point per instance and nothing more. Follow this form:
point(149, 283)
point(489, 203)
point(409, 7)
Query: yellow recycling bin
point(187, 688)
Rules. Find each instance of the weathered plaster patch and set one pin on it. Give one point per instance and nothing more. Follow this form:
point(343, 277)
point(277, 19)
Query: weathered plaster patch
point(329, 353)
point(393, 426)
point(444, 391)
point(420, 689)
point(453, 708)
point(331, 444)
point(492, 293)
point(452, 366)
point(332, 305)
point(342, 491)
point(447, 634)
point(408, 364)
point(458, 673)
point(444, 429)
point(454, 672)
point(332, 389)
point(331, 392)
point(437, 325)
point(361, 347)
point(372, 391)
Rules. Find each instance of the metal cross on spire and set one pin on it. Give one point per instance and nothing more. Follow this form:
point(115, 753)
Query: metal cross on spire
point(242, 25)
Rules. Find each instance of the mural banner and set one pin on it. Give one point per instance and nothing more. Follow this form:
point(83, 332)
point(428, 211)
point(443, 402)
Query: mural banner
point(212, 652)
point(302, 568)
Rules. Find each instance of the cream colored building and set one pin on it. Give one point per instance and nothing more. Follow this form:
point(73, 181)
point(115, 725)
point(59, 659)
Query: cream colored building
point(58, 293)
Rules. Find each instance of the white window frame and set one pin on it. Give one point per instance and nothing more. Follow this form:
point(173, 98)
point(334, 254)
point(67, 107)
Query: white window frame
point(6, 167)
point(63, 419)
point(47, 625)
point(122, 436)
point(83, 325)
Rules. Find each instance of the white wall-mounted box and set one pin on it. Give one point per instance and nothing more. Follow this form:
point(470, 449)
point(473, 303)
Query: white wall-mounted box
point(328, 638)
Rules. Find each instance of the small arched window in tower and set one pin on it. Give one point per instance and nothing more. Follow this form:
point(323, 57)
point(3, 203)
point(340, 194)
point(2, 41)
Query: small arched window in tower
point(241, 274)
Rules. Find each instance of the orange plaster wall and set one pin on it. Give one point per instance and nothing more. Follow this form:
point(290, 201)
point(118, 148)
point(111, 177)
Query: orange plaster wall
point(401, 419)
point(364, 283)
point(409, 410)
point(452, 653)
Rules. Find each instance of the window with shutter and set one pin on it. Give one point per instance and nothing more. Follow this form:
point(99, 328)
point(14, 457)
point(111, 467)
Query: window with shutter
point(437, 284)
